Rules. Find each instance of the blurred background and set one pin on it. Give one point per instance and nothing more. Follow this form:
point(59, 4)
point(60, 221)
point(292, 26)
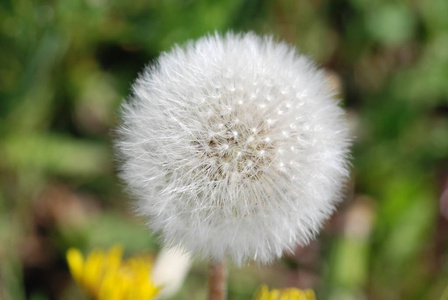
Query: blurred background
point(65, 67)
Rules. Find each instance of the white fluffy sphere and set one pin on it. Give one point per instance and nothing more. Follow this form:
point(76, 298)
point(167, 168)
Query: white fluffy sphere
point(234, 145)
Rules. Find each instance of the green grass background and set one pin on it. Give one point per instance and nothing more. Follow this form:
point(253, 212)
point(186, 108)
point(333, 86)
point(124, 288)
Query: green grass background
point(66, 65)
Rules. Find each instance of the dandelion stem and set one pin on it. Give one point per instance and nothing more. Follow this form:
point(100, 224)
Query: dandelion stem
point(217, 289)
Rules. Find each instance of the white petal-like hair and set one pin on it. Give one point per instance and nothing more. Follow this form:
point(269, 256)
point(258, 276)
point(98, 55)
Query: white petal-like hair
point(234, 146)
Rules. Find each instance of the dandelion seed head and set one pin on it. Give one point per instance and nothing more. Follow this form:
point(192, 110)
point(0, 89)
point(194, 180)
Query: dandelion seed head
point(234, 145)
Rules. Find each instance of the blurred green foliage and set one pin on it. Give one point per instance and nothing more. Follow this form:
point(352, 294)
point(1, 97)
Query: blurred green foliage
point(65, 66)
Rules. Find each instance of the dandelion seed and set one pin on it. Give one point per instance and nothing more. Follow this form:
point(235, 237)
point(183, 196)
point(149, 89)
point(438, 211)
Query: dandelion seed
point(232, 195)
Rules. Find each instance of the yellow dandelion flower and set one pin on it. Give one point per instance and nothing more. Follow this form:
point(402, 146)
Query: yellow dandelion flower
point(286, 294)
point(106, 276)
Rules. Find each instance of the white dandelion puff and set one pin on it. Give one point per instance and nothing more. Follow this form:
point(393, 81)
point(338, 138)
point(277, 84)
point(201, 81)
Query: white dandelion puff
point(234, 146)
